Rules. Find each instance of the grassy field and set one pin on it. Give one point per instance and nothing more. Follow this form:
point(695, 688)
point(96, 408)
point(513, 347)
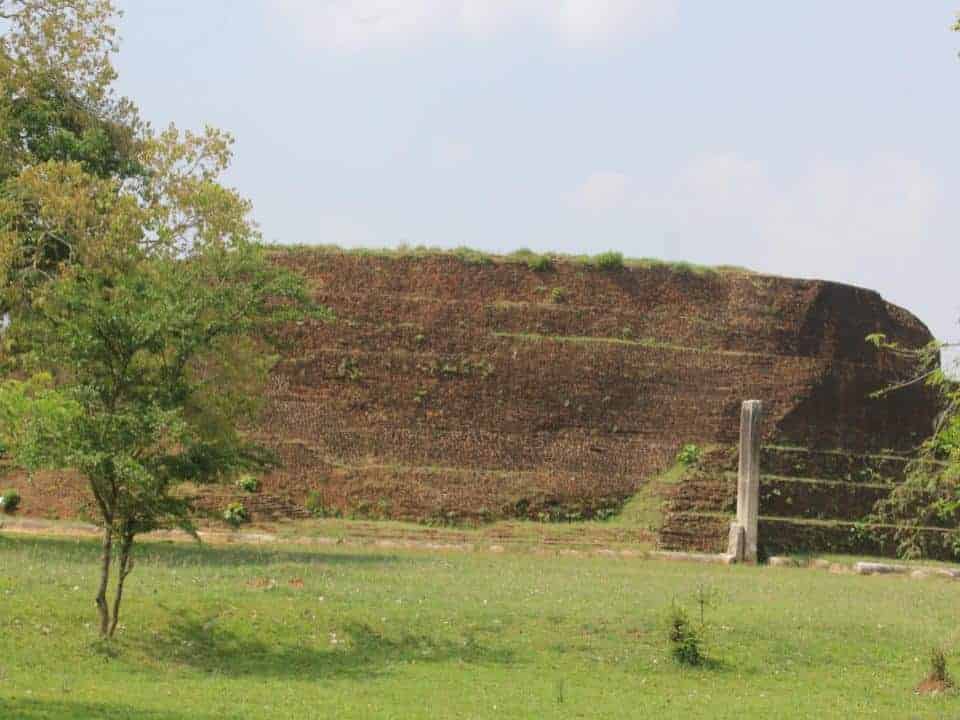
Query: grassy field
point(273, 632)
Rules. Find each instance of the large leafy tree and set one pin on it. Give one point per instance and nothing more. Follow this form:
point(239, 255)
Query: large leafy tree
point(142, 305)
point(56, 105)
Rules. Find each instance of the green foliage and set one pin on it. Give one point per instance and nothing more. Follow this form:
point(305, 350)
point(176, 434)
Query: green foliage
point(540, 263)
point(143, 307)
point(534, 261)
point(685, 640)
point(472, 257)
point(558, 295)
point(526, 257)
point(930, 496)
point(349, 369)
point(248, 483)
point(938, 667)
point(9, 501)
point(235, 514)
point(609, 261)
point(689, 455)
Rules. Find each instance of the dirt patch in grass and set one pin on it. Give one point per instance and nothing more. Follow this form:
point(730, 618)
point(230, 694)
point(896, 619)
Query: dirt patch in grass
point(933, 686)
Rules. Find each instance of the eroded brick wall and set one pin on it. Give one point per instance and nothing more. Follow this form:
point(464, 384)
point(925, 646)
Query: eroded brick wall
point(463, 391)
point(449, 392)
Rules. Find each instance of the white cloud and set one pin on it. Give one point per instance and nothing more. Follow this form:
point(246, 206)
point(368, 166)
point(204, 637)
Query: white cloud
point(602, 192)
point(352, 25)
point(584, 22)
point(828, 214)
point(867, 222)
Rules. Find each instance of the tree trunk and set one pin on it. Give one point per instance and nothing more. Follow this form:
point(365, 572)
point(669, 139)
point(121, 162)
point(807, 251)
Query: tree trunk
point(126, 565)
point(104, 581)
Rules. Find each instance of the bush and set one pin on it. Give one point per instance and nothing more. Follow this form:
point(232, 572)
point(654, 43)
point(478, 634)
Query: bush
point(558, 295)
point(9, 501)
point(248, 483)
point(540, 263)
point(689, 455)
point(349, 369)
point(235, 514)
point(685, 639)
point(609, 261)
point(469, 256)
point(938, 667)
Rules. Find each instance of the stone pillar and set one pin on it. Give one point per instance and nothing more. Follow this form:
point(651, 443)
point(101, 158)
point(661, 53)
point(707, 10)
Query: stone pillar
point(748, 480)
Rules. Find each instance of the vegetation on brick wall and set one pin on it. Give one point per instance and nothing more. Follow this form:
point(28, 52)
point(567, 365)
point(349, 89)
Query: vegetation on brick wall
point(537, 262)
point(930, 496)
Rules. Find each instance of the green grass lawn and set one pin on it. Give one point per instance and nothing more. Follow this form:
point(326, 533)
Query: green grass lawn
point(247, 632)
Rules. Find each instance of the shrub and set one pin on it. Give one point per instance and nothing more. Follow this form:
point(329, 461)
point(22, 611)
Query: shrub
point(248, 483)
point(9, 501)
point(469, 256)
point(235, 514)
point(540, 263)
point(609, 261)
point(558, 295)
point(689, 455)
point(938, 667)
point(685, 639)
point(349, 369)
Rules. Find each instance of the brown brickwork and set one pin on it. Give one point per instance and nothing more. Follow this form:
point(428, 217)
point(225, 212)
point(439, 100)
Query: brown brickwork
point(449, 392)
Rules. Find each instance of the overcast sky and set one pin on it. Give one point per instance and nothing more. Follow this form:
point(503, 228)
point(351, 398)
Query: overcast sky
point(811, 139)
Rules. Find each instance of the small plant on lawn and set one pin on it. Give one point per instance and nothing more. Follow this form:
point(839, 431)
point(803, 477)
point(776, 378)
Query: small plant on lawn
point(938, 668)
point(9, 501)
point(248, 483)
point(235, 514)
point(689, 455)
point(705, 596)
point(609, 261)
point(685, 639)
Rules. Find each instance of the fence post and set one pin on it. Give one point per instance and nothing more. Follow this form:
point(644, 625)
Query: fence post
point(743, 533)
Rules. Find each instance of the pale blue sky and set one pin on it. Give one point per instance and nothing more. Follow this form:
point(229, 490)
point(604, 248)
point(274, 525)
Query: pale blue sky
point(813, 139)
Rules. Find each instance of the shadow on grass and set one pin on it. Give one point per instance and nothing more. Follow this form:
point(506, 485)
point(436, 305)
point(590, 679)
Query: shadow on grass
point(194, 554)
point(65, 710)
point(360, 651)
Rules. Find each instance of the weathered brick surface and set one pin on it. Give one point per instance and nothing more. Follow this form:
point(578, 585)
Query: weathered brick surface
point(818, 501)
point(455, 390)
point(459, 391)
